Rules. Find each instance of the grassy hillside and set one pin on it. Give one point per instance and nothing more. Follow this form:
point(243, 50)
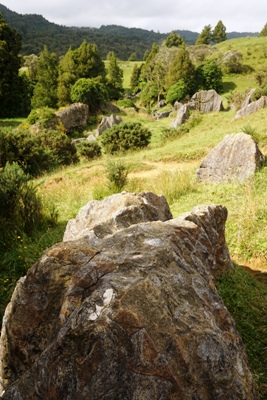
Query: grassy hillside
point(168, 167)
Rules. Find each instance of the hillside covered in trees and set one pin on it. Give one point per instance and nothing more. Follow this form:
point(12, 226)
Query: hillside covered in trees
point(36, 32)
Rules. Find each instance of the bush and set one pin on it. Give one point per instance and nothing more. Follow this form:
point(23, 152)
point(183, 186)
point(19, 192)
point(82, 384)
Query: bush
point(21, 208)
point(123, 137)
point(89, 150)
point(90, 92)
point(176, 92)
point(125, 103)
point(38, 152)
point(117, 175)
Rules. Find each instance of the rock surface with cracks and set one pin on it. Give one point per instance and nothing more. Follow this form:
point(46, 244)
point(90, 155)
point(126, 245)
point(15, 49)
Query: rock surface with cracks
point(133, 314)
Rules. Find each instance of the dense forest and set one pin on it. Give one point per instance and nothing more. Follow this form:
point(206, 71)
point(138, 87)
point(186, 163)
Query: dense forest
point(36, 32)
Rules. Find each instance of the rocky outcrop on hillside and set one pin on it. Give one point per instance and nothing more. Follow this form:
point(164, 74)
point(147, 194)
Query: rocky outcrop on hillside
point(107, 122)
point(252, 107)
point(74, 116)
point(181, 117)
point(206, 101)
point(131, 313)
point(236, 158)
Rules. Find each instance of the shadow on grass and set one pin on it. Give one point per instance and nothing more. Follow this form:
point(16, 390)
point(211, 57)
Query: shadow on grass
point(228, 86)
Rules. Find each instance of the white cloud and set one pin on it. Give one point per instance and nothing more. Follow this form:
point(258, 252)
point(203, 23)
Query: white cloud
point(160, 15)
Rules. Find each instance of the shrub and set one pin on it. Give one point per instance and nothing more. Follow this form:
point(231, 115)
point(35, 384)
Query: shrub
point(176, 92)
point(123, 137)
point(125, 103)
point(89, 150)
point(117, 175)
point(21, 208)
point(90, 92)
point(38, 152)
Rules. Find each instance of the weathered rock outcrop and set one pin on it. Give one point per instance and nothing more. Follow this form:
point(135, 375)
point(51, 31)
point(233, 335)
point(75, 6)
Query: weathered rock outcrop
point(236, 158)
point(102, 218)
point(74, 116)
point(206, 101)
point(252, 107)
point(108, 122)
point(131, 315)
point(181, 117)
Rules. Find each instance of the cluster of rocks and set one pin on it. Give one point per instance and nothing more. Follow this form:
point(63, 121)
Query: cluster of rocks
point(126, 307)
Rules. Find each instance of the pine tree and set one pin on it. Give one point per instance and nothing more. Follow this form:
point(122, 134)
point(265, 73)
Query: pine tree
point(174, 40)
point(45, 91)
point(114, 77)
point(88, 62)
point(205, 36)
point(219, 33)
point(66, 78)
point(182, 69)
point(135, 78)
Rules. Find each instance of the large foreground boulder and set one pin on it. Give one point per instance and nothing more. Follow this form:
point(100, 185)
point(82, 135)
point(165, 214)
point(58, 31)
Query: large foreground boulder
point(206, 101)
point(131, 315)
point(236, 158)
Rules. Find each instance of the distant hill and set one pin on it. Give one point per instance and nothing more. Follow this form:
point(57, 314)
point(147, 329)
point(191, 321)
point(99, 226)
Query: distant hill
point(36, 32)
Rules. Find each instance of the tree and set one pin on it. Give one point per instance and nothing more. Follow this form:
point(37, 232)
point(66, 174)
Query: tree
point(174, 40)
point(182, 69)
point(114, 77)
point(219, 33)
point(66, 78)
point(88, 62)
point(45, 91)
point(89, 91)
point(135, 78)
point(11, 85)
point(205, 36)
point(263, 32)
point(209, 76)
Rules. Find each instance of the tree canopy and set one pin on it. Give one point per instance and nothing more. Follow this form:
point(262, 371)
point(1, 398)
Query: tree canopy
point(219, 33)
point(205, 36)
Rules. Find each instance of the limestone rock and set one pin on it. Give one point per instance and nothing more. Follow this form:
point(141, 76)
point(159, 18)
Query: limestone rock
point(132, 315)
point(117, 212)
point(236, 158)
point(181, 117)
point(108, 122)
point(247, 100)
point(206, 101)
point(74, 116)
point(252, 107)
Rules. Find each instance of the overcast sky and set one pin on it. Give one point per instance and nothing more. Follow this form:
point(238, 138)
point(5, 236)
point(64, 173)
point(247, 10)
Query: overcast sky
point(158, 15)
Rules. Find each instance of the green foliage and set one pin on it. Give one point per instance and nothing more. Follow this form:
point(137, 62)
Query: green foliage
point(21, 207)
point(174, 40)
point(36, 153)
point(176, 92)
point(219, 33)
point(88, 149)
point(43, 116)
point(232, 62)
point(246, 300)
point(90, 92)
point(182, 69)
point(123, 137)
point(15, 90)
point(125, 103)
point(209, 76)
point(66, 78)
point(263, 32)
point(88, 62)
point(45, 90)
point(135, 78)
point(205, 36)
point(114, 78)
point(117, 175)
